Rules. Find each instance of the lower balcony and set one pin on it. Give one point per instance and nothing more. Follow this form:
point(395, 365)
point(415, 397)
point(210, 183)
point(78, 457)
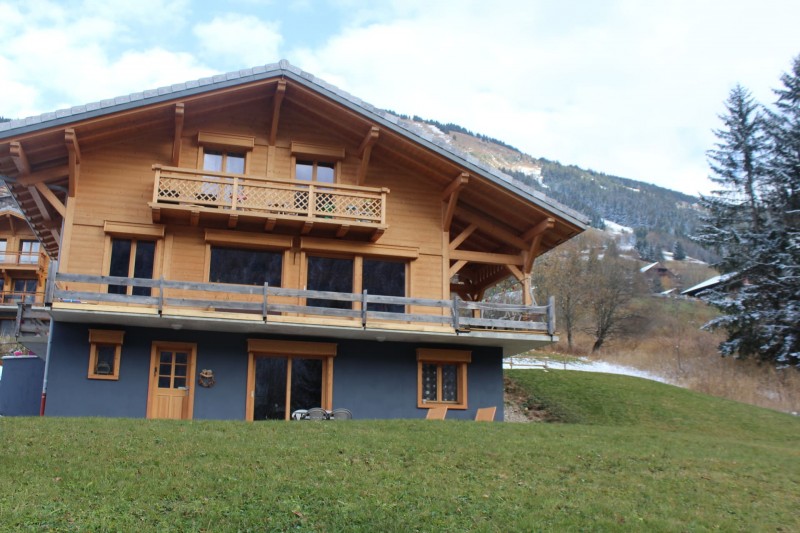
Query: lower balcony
point(293, 207)
point(276, 310)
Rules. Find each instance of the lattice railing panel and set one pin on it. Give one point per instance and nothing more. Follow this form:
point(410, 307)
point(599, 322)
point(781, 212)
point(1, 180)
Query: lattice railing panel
point(331, 201)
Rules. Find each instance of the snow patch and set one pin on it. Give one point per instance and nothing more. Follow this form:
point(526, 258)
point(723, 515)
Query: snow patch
point(583, 365)
point(616, 229)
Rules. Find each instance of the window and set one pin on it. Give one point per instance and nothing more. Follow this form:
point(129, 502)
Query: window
point(29, 252)
point(284, 376)
point(131, 258)
point(3, 244)
point(329, 274)
point(387, 278)
point(105, 350)
point(312, 170)
point(221, 161)
point(247, 267)
point(442, 378)
point(23, 289)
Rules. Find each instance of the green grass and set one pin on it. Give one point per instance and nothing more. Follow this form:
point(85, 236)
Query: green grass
point(635, 455)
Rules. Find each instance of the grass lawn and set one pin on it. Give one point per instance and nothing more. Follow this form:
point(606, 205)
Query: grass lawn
point(629, 455)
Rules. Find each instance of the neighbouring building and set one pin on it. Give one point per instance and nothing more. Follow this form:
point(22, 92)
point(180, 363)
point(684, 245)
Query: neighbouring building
point(243, 246)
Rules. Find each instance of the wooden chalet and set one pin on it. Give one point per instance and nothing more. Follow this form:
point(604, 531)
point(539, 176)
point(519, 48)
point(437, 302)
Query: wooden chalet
point(259, 242)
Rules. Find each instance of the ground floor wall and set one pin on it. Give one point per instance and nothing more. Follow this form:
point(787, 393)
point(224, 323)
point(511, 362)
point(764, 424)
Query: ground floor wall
point(21, 385)
point(372, 379)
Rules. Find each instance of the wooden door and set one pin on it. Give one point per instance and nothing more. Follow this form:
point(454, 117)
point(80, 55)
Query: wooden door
point(171, 392)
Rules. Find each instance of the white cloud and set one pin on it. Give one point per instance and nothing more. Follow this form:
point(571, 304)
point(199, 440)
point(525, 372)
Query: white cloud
point(239, 41)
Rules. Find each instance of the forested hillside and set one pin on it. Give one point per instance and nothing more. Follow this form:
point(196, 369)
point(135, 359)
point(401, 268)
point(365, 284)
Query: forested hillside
point(662, 215)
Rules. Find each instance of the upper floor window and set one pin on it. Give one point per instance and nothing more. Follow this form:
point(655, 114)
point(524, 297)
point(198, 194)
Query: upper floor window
point(29, 252)
point(246, 267)
point(223, 161)
point(386, 278)
point(131, 258)
point(311, 170)
point(329, 274)
point(3, 244)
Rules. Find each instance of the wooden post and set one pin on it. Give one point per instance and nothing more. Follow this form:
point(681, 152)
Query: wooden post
point(551, 316)
point(265, 307)
point(364, 308)
point(50, 284)
point(161, 295)
point(455, 312)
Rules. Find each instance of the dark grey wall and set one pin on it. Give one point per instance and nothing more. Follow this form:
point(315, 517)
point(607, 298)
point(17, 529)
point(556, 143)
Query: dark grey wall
point(21, 386)
point(373, 380)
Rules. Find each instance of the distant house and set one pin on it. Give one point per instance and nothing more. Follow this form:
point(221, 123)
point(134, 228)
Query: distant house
point(722, 280)
point(23, 265)
point(662, 279)
point(247, 245)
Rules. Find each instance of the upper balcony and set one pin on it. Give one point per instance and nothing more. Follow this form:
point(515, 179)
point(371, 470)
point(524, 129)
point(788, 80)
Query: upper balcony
point(29, 260)
point(293, 207)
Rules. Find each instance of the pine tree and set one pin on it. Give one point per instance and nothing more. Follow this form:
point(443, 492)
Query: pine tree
point(678, 253)
point(752, 222)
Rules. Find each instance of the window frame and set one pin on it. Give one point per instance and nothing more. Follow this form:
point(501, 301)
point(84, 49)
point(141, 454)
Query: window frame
point(316, 154)
point(31, 256)
point(133, 232)
point(257, 348)
point(439, 357)
point(105, 337)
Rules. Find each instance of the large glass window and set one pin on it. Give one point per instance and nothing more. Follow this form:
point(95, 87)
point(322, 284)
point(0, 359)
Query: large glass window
point(329, 274)
point(131, 258)
point(274, 376)
point(24, 289)
point(386, 278)
point(246, 267)
point(3, 244)
point(29, 252)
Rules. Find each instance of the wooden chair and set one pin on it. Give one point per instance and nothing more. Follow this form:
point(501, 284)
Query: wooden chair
point(436, 413)
point(485, 414)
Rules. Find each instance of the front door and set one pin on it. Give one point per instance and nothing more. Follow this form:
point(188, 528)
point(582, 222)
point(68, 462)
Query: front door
point(171, 393)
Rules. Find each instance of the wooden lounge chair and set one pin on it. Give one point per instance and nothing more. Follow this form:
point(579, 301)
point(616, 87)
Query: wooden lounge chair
point(317, 413)
point(485, 414)
point(341, 414)
point(436, 413)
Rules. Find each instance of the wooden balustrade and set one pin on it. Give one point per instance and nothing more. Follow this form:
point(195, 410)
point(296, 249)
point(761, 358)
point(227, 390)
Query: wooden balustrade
point(364, 309)
point(8, 257)
point(237, 195)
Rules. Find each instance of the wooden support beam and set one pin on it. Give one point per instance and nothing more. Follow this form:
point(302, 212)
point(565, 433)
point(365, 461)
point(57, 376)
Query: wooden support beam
point(176, 141)
point(377, 234)
point(194, 217)
point(19, 158)
point(233, 220)
point(517, 273)
point(51, 198)
point(541, 227)
point(450, 195)
point(456, 267)
point(280, 92)
point(37, 199)
point(463, 236)
point(486, 258)
point(74, 151)
point(307, 225)
point(48, 174)
point(343, 230)
point(269, 225)
point(494, 230)
point(364, 152)
point(536, 232)
point(11, 225)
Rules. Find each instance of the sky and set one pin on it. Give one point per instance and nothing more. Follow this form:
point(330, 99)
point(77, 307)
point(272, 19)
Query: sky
point(632, 88)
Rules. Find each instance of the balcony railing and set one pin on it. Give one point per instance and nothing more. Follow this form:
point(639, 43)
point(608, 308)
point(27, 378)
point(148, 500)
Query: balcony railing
point(269, 302)
point(328, 204)
point(15, 297)
point(19, 258)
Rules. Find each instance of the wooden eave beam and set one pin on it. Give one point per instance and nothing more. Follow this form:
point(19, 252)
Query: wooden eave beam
point(490, 228)
point(176, 141)
point(539, 228)
point(486, 258)
point(364, 152)
point(458, 265)
point(71, 140)
point(51, 198)
point(450, 196)
point(19, 158)
point(280, 92)
point(48, 174)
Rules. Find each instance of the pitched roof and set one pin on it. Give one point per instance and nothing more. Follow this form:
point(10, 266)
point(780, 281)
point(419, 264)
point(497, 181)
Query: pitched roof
point(283, 68)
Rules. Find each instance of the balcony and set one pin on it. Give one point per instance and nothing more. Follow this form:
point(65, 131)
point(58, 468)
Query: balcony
point(266, 309)
point(250, 202)
point(21, 260)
